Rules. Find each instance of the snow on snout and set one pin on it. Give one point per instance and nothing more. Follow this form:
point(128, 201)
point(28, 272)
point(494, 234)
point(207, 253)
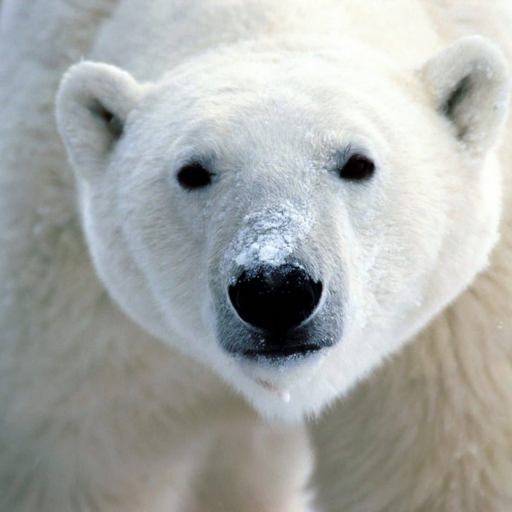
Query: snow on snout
point(269, 236)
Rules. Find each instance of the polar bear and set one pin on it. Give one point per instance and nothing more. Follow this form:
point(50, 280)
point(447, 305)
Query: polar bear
point(268, 200)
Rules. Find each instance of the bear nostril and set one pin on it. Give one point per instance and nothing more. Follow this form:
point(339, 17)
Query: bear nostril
point(276, 298)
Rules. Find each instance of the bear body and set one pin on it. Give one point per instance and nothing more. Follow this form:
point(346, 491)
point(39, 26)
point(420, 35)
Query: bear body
point(216, 136)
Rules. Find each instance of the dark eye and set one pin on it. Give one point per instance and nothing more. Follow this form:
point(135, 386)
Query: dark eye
point(357, 168)
point(193, 176)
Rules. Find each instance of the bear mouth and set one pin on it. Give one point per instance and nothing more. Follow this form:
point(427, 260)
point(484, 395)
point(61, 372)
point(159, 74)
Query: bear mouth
point(280, 353)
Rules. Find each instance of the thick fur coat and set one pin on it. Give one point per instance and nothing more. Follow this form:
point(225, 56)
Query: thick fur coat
point(114, 392)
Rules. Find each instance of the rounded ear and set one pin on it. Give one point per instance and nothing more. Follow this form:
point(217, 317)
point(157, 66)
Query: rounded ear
point(93, 103)
point(470, 82)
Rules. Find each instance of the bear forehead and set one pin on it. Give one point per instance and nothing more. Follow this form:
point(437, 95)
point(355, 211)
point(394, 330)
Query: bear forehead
point(275, 75)
point(215, 103)
point(326, 95)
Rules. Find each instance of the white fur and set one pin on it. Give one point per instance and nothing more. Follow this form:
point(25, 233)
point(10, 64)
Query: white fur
point(99, 413)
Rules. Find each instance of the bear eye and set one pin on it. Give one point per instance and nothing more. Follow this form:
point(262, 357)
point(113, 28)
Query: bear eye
point(357, 168)
point(193, 176)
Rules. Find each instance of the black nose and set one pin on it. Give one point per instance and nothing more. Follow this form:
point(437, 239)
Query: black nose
point(275, 298)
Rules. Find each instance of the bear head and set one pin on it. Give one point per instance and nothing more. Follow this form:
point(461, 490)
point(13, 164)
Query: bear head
point(289, 217)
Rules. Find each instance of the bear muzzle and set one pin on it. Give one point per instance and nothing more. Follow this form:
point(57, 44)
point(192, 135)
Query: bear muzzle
point(275, 299)
point(275, 307)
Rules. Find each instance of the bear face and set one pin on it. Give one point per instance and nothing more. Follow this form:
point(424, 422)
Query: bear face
point(289, 218)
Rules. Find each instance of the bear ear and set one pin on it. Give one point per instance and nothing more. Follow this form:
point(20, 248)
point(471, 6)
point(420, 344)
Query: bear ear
point(93, 103)
point(470, 83)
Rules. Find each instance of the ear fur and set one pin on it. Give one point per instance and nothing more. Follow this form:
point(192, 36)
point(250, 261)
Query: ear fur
point(470, 83)
point(93, 103)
